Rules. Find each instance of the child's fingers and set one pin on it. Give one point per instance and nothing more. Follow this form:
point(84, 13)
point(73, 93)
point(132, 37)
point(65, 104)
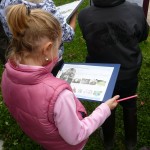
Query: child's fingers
point(115, 97)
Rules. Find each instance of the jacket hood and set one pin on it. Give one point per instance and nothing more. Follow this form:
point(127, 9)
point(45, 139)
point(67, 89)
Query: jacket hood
point(107, 3)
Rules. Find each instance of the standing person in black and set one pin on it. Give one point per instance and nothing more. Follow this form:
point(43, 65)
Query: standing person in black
point(113, 30)
point(4, 41)
point(3, 44)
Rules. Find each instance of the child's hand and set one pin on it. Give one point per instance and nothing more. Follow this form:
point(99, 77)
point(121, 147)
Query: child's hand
point(73, 19)
point(112, 103)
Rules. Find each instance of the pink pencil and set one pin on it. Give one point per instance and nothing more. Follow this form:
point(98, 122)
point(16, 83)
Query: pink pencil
point(127, 98)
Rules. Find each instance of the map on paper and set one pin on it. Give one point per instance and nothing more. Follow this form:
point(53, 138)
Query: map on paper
point(90, 82)
point(67, 10)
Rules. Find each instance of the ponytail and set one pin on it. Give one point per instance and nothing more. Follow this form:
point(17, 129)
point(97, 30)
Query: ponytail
point(18, 19)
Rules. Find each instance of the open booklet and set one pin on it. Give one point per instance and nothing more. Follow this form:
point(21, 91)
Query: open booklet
point(68, 9)
point(90, 81)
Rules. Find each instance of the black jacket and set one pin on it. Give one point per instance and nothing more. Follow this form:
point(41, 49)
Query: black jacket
point(4, 42)
point(113, 34)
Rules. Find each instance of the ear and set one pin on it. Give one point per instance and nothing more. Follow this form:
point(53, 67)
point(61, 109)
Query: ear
point(47, 48)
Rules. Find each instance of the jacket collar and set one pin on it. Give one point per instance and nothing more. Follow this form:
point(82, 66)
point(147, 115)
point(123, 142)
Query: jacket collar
point(24, 74)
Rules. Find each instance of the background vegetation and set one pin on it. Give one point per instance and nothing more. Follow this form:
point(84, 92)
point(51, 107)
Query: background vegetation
point(75, 51)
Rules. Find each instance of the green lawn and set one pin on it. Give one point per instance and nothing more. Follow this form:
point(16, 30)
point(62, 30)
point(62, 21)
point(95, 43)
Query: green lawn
point(15, 139)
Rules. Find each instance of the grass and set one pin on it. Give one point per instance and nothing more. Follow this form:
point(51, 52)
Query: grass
point(75, 51)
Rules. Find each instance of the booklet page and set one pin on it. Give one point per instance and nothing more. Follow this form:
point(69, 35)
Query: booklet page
point(87, 81)
point(67, 9)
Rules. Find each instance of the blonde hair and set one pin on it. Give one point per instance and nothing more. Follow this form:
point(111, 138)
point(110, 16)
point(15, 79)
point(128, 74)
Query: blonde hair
point(28, 27)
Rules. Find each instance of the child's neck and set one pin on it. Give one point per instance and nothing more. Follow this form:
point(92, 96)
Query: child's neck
point(31, 62)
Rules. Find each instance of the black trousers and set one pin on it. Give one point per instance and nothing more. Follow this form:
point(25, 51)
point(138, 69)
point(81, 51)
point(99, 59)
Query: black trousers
point(124, 89)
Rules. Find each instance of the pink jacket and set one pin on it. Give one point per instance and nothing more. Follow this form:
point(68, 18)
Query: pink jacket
point(31, 92)
point(30, 96)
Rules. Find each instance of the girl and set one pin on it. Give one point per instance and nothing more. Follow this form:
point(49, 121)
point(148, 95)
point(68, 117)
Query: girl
point(44, 106)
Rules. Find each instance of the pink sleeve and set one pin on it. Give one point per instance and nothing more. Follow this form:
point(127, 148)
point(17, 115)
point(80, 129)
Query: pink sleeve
point(71, 129)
